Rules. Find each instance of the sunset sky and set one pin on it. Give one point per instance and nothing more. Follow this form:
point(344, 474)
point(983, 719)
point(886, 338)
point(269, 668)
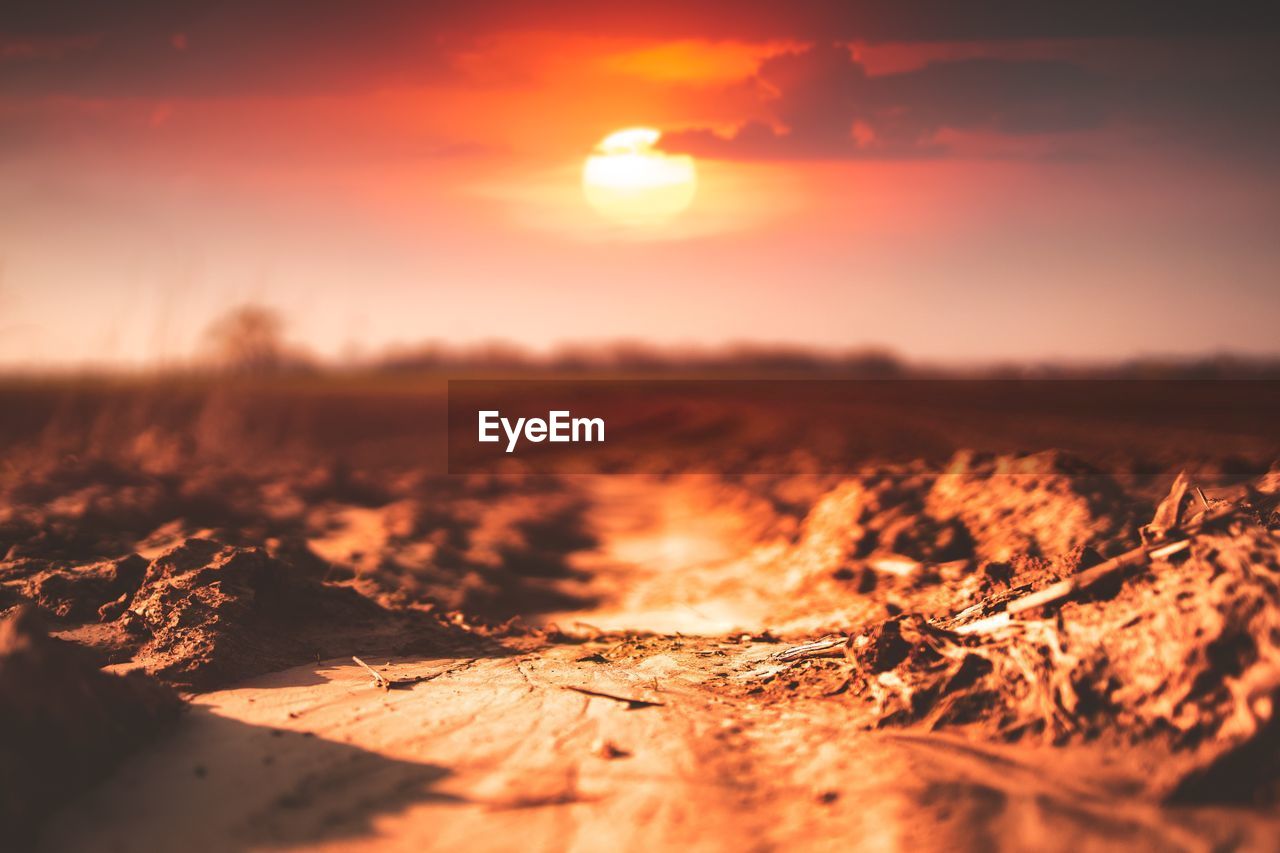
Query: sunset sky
point(953, 181)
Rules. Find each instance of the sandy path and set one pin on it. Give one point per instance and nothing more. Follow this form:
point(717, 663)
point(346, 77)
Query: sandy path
point(496, 754)
point(673, 559)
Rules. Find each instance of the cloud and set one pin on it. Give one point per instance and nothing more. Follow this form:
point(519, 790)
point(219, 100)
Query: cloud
point(811, 104)
point(137, 48)
point(821, 103)
point(289, 46)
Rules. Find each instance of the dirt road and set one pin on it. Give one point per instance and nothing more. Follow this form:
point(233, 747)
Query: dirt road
point(508, 753)
point(623, 742)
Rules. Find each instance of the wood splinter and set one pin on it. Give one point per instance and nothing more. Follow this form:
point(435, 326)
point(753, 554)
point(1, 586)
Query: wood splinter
point(1161, 549)
point(829, 647)
point(384, 683)
point(632, 703)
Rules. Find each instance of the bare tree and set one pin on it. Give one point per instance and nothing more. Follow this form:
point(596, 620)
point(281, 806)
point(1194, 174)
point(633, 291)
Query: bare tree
point(248, 339)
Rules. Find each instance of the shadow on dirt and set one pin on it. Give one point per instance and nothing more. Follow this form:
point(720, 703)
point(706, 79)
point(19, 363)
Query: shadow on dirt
point(243, 787)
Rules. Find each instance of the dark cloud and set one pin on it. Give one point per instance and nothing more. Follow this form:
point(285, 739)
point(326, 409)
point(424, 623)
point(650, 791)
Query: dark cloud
point(149, 49)
point(819, 103)
point(870, 20)
point(831, 108)
point(1234, 118)
point(129, 47)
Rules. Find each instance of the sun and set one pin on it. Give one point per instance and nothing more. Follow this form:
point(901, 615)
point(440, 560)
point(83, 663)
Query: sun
point(628, 181)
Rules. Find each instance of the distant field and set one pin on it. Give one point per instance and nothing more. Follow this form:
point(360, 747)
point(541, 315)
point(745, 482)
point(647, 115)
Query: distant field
point(388, 421)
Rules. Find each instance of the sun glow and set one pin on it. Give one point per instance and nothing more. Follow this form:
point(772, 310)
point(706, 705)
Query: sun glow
point(629, 182)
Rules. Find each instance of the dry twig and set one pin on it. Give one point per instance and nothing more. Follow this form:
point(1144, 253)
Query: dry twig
point(381, 681)
point(631, 702)
point(828, 647)
point(1167, 543)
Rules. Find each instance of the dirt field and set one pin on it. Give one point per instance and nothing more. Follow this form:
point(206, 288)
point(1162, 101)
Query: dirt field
point(1039, 648)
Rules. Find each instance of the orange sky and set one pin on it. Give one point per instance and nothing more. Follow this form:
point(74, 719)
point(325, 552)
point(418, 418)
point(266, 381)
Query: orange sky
point(1036, 194)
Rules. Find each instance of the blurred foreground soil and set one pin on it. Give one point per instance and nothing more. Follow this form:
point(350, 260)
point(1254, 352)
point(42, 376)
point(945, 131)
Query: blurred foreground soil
point(1021, 649)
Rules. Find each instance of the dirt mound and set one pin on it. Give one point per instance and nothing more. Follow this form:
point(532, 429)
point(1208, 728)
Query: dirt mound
point(84, 593)
point(1048, 505)
point(208, 614)
point(1183, 656)
point(65, 722)
point(203, 613)
point(908, 538)
point(881, 512)
point(990, 509)
point(86, 521)
point(497, 551)
point(496, 546)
